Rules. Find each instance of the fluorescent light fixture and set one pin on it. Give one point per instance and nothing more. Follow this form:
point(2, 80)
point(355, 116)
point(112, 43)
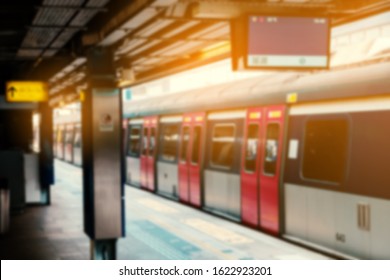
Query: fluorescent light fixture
point(139, 19)
point(180, 28)
point(129, 45)
point(113, 37)
point(138, 61)
point(146, 46)
point(208, 30)
point(163, 3)
point(223, 31)
point(154, 27)
point(167, 48)
point(68, 68)
point(184, 48)
point(78, 61)
point(153, 60)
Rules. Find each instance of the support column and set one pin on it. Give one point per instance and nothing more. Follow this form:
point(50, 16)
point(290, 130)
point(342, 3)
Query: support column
point(46, 168)
point(102, 156)
point(103, 249)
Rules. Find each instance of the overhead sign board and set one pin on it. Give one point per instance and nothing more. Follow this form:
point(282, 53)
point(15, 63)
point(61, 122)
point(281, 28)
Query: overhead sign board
point(287, 42)
point(26, 91)
point(280, 42)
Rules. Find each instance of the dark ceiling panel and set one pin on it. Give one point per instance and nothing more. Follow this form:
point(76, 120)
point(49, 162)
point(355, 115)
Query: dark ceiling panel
point(53, 16)
point(64, 37)
point(63, 2)
point(32, 31)
point(83, 17)
point(39, 37)
point(97, 3)
point(29, 53)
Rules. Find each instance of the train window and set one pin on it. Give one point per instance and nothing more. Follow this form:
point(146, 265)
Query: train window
point(145, 141)
point(222, 146)
point(66, 137)
point(134, 141)
point(69, 136)
point(325, 150)
point(152, 141)
point(59, 135)
point(196, 144)
point(170, 136)
point(185, 138)
point(77, 138)
point(251, 147)
point(271, 149)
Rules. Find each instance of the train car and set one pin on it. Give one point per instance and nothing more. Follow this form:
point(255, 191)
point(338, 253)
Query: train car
point(68, 143)
point(60, 144)
point(222, 162)
point(302, 156)
point(190, 162)
point(336, 183)
point(77, 145)
point(68, 140)
point(133, 152)
point(149, 153)
point(167, 159)
point(55, 141)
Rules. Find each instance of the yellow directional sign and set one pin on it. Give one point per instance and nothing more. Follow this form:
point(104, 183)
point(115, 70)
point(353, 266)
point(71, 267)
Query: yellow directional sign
point(26, 91)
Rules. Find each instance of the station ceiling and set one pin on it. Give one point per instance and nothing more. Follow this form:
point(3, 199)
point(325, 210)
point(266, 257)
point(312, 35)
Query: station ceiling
point(48, 39)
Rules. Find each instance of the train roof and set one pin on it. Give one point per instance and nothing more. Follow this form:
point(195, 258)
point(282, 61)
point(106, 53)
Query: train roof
point(361, 81)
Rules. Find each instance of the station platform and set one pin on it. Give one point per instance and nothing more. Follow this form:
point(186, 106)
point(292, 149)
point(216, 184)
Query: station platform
point(156, 228)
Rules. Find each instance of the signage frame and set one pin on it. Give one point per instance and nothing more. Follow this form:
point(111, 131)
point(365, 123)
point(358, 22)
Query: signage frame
point(239, 31)
point(26, 91)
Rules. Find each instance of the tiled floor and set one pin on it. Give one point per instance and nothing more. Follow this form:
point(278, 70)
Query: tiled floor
point(156, 228)
point(49, 232)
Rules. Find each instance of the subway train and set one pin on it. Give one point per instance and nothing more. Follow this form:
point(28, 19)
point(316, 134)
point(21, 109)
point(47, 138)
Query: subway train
point(67, 139)
point(305, 157)
point(302, 156)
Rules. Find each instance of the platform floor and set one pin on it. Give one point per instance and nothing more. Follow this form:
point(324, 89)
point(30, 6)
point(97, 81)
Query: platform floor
point(156, 228)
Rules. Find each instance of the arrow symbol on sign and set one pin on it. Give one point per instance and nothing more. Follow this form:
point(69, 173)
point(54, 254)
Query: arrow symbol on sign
point(12, 91)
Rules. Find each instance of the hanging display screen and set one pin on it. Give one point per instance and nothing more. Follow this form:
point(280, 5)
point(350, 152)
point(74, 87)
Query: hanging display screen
point(287, 42)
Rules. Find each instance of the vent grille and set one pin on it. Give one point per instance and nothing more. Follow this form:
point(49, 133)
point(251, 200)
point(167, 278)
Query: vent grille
point(363, 211)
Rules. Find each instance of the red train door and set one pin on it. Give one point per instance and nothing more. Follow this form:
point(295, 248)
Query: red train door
point(272, 145)
point(250, 167)
point(152, 147)
point(260, 169)
point(144, 155)
point(184, 176)
point(148, 153)
point(191, 158)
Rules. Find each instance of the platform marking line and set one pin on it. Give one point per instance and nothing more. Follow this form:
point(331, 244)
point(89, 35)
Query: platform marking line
point(156, 245)
point(205, 246)
point(162, 241)
point(217, 232)
point(157, 206)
